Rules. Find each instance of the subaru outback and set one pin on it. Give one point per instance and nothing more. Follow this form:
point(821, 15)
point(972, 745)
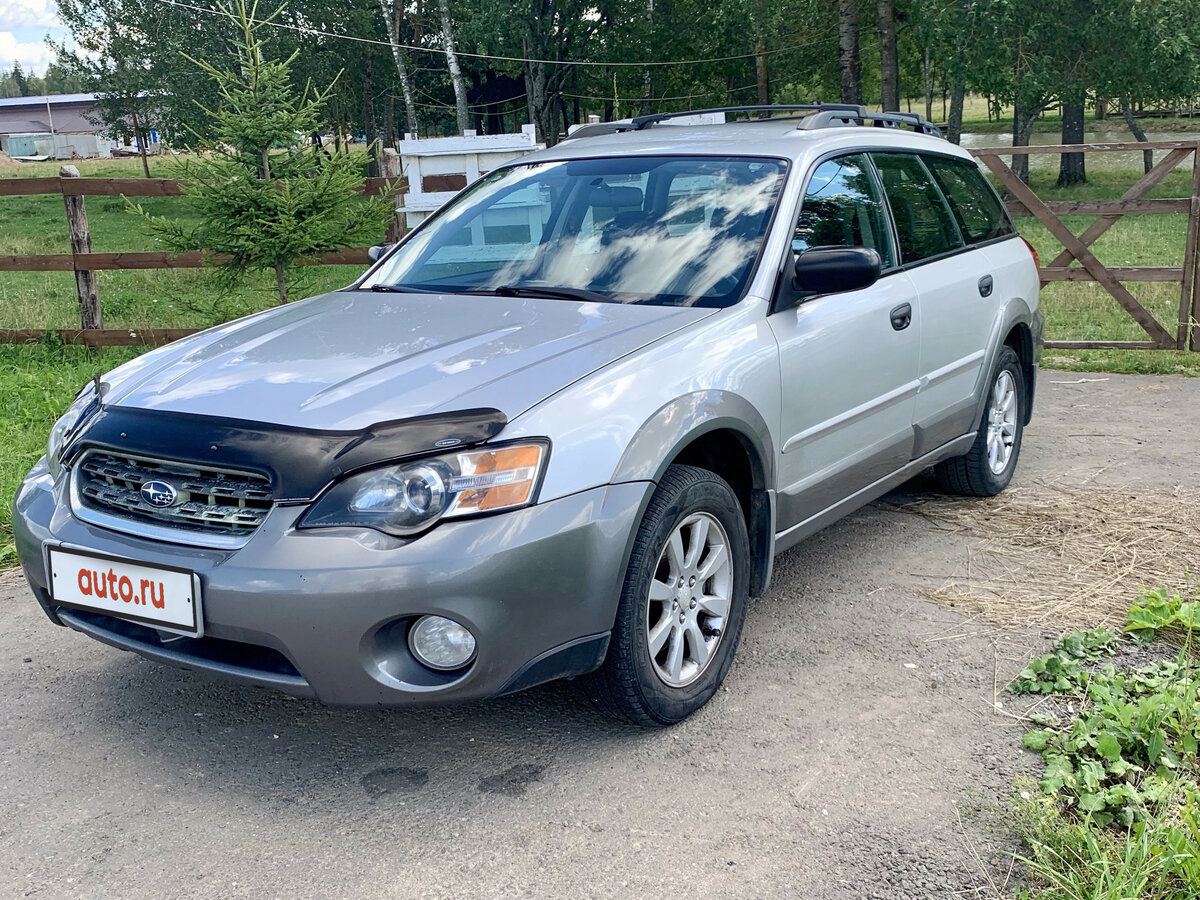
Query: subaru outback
point(562, 429)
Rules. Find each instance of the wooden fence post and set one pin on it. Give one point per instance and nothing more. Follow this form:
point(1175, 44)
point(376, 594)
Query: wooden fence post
point(1189, 313)
point(81, 242)
point(1193, 330)
point(392, 171)
point(1187, 295)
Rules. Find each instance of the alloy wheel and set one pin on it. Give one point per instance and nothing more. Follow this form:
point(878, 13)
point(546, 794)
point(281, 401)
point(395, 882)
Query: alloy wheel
point(690, 597)
point(1002, 422)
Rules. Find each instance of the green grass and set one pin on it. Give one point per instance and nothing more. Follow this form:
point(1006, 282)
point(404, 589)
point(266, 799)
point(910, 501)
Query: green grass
point(37, 383)
point(165, 298)
point(1072, 860)
point(975, 119)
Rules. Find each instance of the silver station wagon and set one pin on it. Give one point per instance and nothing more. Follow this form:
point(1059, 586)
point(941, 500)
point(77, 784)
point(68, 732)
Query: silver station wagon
point(562, 429)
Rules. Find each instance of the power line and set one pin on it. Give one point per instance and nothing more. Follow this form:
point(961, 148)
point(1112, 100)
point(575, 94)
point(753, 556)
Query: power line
point(435, 103)
point(633, 99)
point(827, 38)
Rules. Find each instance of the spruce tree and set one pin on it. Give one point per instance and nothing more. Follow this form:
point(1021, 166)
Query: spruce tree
point(20, 79)
point(263, 201)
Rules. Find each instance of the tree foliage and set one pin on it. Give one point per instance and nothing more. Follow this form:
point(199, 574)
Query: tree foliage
point(554, 62)
point(56, 80)
point(260, 197)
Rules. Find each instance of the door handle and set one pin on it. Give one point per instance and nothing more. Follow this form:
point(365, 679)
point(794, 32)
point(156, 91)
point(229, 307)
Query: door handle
point(901, 316)
point(985, 286)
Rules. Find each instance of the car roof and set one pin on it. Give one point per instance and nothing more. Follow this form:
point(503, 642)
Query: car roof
point(780, 138)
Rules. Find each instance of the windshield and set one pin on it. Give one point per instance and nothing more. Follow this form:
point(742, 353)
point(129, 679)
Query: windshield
point(680, 231)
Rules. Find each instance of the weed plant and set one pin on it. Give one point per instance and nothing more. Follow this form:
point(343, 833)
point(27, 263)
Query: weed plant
point(1115, 814)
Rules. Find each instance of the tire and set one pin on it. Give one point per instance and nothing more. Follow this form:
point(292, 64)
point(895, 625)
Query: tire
point(634, 683)
point(979, 473)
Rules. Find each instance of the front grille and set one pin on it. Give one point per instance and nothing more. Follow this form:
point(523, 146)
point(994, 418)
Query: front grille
point(210, 500)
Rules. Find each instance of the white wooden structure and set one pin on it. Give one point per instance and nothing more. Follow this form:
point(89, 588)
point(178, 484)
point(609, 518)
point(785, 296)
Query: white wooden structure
point(438, 168)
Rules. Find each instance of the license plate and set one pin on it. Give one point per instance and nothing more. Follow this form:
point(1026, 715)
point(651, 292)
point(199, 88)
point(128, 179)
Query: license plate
point(160, 596)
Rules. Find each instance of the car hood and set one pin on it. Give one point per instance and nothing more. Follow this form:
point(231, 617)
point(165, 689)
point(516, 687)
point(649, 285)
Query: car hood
point(351, 359)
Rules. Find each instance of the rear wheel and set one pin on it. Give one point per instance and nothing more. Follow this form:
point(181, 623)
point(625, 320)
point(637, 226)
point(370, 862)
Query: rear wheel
point(988, 467)
point(682, 605)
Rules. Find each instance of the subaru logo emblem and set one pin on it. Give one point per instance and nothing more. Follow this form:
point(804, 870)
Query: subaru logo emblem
point(159, 494)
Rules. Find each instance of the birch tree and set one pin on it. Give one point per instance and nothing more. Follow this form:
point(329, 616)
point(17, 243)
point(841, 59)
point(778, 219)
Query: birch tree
point(392, 15)
point(456, 78)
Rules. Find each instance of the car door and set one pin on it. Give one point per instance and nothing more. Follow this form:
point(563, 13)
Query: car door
point(848, 361)
point(953, 284)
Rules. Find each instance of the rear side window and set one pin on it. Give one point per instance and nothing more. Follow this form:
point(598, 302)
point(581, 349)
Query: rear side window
point(924, 224)
point(842, 208)
point(976, 207)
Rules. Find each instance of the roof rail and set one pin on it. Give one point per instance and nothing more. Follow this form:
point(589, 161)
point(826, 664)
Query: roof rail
point(816, 115)
point(831, 114)
point(594, 129)
point(654, 118)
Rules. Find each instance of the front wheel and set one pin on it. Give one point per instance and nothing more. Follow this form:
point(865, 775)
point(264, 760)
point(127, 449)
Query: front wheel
point(682, 605)
point(988, 467)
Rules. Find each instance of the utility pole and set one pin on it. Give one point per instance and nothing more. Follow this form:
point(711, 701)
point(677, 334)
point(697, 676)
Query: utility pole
point(53, 139)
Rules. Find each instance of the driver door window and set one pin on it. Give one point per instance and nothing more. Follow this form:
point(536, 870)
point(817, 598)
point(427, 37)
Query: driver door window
point(843, 208)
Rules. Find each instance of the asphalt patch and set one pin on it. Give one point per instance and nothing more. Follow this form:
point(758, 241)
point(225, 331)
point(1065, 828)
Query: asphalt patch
point(394, 780)
point(512, 782)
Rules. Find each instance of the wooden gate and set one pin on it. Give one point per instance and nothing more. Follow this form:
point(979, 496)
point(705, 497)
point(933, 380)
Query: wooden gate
point(1022, 201)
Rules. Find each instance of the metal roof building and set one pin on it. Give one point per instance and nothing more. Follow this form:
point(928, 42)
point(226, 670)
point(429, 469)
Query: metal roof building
point(56, 125)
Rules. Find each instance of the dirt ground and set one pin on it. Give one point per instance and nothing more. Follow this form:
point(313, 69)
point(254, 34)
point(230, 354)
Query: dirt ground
point(853, 754)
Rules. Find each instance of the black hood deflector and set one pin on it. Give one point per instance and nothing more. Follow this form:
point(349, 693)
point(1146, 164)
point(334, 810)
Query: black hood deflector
point(299, 462)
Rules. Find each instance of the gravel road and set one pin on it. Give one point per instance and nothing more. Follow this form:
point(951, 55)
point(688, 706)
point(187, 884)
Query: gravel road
point(853, 754)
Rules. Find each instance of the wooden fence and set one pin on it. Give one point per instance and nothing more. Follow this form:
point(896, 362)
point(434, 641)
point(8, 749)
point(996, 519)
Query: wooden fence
point(1022, 201)
point(85, 263)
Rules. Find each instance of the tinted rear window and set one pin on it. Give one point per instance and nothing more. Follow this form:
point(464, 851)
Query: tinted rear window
point(976, 207)
point(924, 225)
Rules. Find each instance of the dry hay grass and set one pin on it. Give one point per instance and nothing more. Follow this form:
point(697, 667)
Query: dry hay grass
point(1050, 555)
point(6, 160)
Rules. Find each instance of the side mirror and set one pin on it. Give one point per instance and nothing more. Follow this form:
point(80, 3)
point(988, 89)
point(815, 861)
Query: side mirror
point(373, 253)
point(834, 270)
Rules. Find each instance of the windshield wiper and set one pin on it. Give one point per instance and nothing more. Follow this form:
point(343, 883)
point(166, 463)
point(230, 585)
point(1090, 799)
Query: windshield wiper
point(392, 289)
point(558, 293)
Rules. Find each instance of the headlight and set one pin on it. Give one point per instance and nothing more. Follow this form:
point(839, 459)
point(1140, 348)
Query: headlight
point(409, 497)
point(70, 421)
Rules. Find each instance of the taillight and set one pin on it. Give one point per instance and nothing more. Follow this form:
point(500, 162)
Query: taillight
point(1037, 263)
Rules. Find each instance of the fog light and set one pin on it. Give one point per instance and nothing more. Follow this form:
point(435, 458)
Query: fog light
point(441, 643)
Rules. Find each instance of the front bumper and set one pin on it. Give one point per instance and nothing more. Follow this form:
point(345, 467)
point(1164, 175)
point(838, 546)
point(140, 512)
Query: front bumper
point(326, 613)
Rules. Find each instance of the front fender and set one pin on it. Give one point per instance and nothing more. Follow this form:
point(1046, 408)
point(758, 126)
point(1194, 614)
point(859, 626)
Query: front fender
point(622, 422)
point(676, 424)
point(668, 432)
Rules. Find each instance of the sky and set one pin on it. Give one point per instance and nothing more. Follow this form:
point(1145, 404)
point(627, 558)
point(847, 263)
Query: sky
point(24, 25)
